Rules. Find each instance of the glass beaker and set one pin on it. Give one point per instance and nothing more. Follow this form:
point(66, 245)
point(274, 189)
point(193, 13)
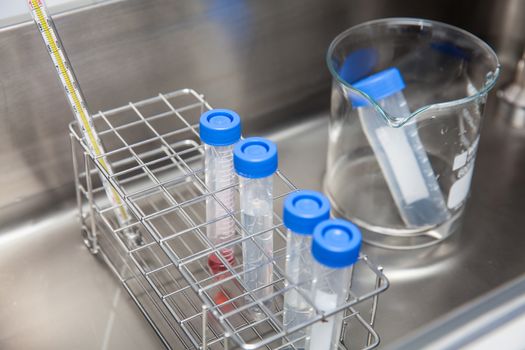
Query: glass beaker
point(401, 155)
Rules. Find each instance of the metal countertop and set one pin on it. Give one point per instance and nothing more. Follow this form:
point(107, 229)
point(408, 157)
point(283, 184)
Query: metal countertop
point(56, 295)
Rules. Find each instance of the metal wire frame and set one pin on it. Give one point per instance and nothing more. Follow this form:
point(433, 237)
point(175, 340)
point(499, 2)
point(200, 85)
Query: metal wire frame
point(160, 179)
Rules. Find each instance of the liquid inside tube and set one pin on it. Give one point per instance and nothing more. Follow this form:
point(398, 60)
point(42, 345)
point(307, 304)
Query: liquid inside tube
point(257, 219)
point(299, 271)
point(255, 161)
point(220, 177)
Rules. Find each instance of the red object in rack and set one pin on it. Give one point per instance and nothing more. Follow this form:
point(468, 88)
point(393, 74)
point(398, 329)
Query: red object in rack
point(217, 266)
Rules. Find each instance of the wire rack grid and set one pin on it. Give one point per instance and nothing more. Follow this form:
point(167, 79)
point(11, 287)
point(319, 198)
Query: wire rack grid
point(157, 160)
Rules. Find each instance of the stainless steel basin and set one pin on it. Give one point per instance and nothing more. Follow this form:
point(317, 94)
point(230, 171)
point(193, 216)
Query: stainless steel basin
point(267, 64)
point(55, 294)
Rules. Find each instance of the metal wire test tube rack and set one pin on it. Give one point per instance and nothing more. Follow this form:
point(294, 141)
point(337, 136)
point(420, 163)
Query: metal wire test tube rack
point(157, 160)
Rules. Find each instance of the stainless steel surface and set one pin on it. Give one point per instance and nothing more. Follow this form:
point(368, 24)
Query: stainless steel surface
point(505, 28)
point(512, 106)
point(261, 58)
point(238, 53)
point(160, 178)
point(44, 260)
point(495, 320)
point(55, 295)
point(267, 61)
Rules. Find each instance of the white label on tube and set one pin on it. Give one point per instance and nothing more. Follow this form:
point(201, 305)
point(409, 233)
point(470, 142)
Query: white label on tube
point(460, 160)
point(321, 333)
point(459, 190)
point(403, 163)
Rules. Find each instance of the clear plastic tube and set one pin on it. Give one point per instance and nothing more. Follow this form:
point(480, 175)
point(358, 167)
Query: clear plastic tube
point(405, 164)
point(335, 249)
point(220, 176)
point(256, 201)
point(299, 272)
point(329, 290)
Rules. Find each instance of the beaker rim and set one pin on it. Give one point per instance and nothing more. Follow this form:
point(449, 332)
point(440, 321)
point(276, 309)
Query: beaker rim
point(395, 120)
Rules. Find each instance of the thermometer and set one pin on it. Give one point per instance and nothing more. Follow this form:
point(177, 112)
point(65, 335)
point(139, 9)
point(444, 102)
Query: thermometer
point(76, 100)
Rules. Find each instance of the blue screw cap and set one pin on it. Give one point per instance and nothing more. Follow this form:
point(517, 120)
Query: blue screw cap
point(378, 86)
point(304, 209)
point(220, 127)
point(336, 243)
point(358, 64)
point(255, 157)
